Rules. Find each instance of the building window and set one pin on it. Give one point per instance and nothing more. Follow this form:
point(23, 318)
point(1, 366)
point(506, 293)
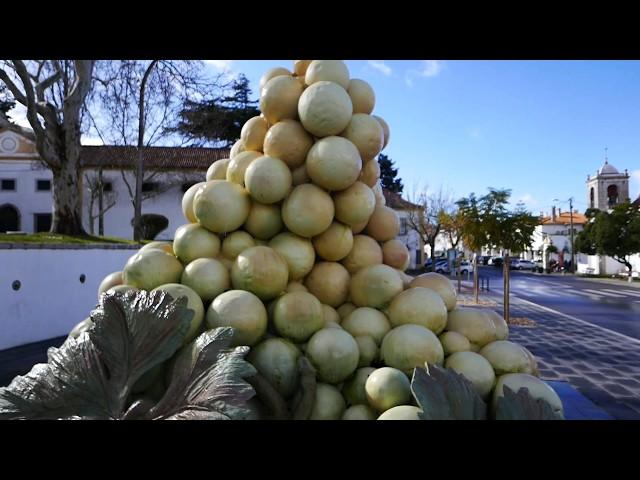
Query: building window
point(41, 222)
point(403, 226)
point(149, 187)
point(592, 197)
point(612, 195)
point(8, 184)
point(9, 218)
point(107, 187)
point(43, 185)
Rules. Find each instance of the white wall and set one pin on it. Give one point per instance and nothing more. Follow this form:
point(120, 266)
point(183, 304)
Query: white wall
point(51, 299)
point(597, 265)
point(411, 239)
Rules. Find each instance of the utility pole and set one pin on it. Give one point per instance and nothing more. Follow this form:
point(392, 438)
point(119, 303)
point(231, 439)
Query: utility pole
point(573, 265)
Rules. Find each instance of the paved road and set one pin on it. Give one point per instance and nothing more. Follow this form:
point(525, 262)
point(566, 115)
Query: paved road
point(612, 306)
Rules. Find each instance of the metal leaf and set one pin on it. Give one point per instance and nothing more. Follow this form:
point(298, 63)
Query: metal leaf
point(444, 394)
point(522, 406)
point(208, 380)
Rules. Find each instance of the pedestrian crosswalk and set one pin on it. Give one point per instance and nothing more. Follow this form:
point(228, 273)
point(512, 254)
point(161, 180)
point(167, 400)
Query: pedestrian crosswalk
point(567, 291)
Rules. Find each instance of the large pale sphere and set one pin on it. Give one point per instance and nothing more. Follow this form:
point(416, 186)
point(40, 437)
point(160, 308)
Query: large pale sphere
point(235, 243)
point(396, 254)
point(288, 141)
point(218, 170)
point(187, 202)
point(329, 282)
point(279, 98)
point(438, 283)
point(112, 280)
point(264, 221)
point(409, 346)
point(277, 361)
point(365, 252)
point(308, 210)
point(297, 251)
point(366, 134)
point(237, 148)
point(221, 206)
point(325, 109)
point(297, 316)
point(238, 166)
point(453, 342)
point(475, 368)
point(386, 388)
point(192, 241)
point(537, 389)
point(261, 271)
point(207, 277)
point(333, 163)
point(419, 306)
point(362, 96)
point(345, 309)
point(367, 321)
point(253, 133)
point(370, 173)
point(334, 243)
point(385, 129)
point(267, 179)
point(329, 404)
point(242, 311)
point(159, 245)
point(300, 175)
point(474, 324)
point(355, 205)
point(151, 268)
point(329, 71)
point(375, 286)
point(300, 67)
point(194, 303)
point(333, 353)
point(272, 73)
point(384, 224)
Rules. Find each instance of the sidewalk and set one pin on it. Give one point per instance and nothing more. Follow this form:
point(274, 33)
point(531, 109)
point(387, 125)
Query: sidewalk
point(601, 364)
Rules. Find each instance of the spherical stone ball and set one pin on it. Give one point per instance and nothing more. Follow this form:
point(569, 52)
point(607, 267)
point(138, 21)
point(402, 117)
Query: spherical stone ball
point(329, 71)
point(238, 166)
point(396, 254)
point(218, 170)
point(192, 241)
point(277, 361)
point(151, 268)
point(362, 96)
point(221, 206)
point(385, 129)
point(366, 134)
point(194, 303)
point(237, 148)
point(375, 286)
point(419, 306)
point(272, 73)
point(308, 210)
point(300, 67)
point(268, 180)
point(253, 133)
point(329, 282)
point(328, 404)
point(453, 342)
point(279, 98)
point(264, 221)
point(333, 353)
point(365, 252)
point(242, 311)
point(297, 251)
point(187, 202)
point(355, 205)
point(334, 243)
point(476, 369)
point(208, 277)
point(325, 109)
point(370, 173)
point(409, 346)
point(438, 283)
point(384, 224)
point(261, 271)
point(366, 321)
point(288, 141)
point(333, 163)
point(386, 388)
point(329, 314)
point(345, 309)
point(235, 243)
point(297, 316)
point(300, 176)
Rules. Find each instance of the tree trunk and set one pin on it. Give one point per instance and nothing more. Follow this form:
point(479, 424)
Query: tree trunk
point(100, 204)
point(67, 203)
point(506, 266)
point(476, 291)
point(432, 246)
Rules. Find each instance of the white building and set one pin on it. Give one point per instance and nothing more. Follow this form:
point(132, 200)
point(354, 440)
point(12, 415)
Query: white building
point(555, 229)
point(408, 236)
point(26, 196)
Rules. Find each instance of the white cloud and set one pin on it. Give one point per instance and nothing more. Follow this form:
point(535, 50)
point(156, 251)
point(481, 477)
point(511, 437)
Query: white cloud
point(431, 68)
point(223, 65)
point(381, 67)
point(529, 200)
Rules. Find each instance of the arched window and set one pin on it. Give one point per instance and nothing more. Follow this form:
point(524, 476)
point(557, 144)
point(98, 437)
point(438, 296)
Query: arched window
point(9, 218)
point(612, 195)
point(592, 197)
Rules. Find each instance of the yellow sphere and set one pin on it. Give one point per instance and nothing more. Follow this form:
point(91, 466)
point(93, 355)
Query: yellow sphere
point(334, 354)
point(375, 286)
point(288, 141)
point(297, 316)
point(334, 163)
point(298, 252)
point(296, 287)
point(474, 324)
point(237, 148)
point(261, 271)
point(334, 243)
point(345, 309)
point(308, 210)
point(385, 129)
point(253, 133)
point(112, 280)
point(221, 206)
point(272, 73)
point(362, 96)
point(194, 303)
point(242, 311)
point(151, 268)
point(359, 227)
point(476, 369)
point(409, 346)
point(268, 180)
point(370, 173)
point(395, 254)
point(419, 306)
point(235, 243)
point(440, 284)
point(367, 321)
point(355, 205)
point(365, 252)
point(208, 277)
point(300, 176)
point(187, 201)
point(453, 342)
point(264, 221)
point(300, 67)
point(218, 170)
point(384, 224)
point(325, 109)
point(330, 315)
point(329, 282)
point(279, 98)
point(329, 71)
point(366, 134)
point(165, 246)
point(192, 241)
point(239, 164)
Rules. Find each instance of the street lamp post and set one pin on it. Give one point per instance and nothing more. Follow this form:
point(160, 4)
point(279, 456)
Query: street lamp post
point(573, 267)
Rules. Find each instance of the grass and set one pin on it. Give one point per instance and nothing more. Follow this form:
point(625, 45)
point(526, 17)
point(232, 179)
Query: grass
point(53, 238)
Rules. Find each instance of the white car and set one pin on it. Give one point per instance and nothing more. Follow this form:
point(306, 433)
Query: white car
point(521, 264)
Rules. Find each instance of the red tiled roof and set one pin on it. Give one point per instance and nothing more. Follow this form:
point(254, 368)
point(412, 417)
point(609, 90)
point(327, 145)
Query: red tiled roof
point(395, 201)
point(166, 158)
point(565, 219)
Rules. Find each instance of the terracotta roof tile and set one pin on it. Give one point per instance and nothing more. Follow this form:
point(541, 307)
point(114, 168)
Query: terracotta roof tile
point(395, 201)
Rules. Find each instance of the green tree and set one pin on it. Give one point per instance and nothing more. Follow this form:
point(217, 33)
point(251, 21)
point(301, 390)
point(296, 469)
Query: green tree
point(388, 175)
point(615, 233)
point(217, 121)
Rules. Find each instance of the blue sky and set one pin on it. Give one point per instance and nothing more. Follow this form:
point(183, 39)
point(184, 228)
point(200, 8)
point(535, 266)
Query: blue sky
point(536, 127)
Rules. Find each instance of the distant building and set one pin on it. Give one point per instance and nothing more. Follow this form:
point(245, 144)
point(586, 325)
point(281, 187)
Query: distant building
point(555, 229)
point(608, 188)
point(408, 236)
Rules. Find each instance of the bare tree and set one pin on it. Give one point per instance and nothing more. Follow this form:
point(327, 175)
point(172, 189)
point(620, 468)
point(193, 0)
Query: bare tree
point(105, 199)
point(426, 221)
point(53, 93)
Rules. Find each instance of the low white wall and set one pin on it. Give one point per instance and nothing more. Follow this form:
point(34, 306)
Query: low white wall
point(51, 299)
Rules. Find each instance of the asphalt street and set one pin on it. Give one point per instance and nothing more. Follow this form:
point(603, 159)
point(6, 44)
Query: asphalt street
point(609, 305)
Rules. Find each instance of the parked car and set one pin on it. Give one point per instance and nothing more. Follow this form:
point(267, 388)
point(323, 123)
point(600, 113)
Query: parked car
point(522, 264)
point(497, 261)
point(443, 267)
point(429, 261)
point(466, 267)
